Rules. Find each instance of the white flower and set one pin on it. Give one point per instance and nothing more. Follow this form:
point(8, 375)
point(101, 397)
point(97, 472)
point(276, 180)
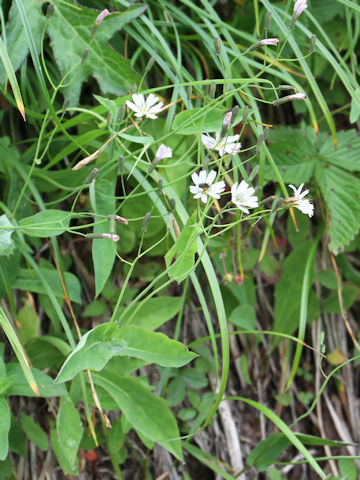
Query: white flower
point(204, 185)
point(163, 152)
point(223, 145)
point(299, 202)
point(269, 41)
point(299, 7)
point(243, 196)
point(145, 108)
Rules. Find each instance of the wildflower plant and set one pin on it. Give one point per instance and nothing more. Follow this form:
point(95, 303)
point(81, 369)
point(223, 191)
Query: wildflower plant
point(174, 191)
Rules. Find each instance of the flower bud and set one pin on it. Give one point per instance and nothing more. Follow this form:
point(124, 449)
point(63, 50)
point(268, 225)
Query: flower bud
point(150, 64)
point(299, 7)
point(91, 176)
point(245, 114)
point(312, 43)
point(121, 165)
point(189, 91)
point(253, 173)
point(111, 236)
point(50, 10)
point(206, 88)
point(212, 91)
point(160, 187)
point(101, 16)
point(146, 222)
point(122, 112)
point(263, 42)
point(268, 20)
point(172, 204)
point(289, 98)
point(119, 219)
point(218, 45)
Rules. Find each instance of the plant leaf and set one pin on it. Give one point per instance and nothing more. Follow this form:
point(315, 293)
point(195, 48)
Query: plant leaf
point(17, 48)
point(346, 155)
point(34, 432)
point(4, 428)
point(70, 29)
point(198, 120)
point(47, 223)
point(180, 258)
point(27, 281)
point(105, 341)
point(6, 243)
point(151, 313)
point(103, 249)
point(69, 430)
point(21, 387)
point(148, 414)
point(341, 192)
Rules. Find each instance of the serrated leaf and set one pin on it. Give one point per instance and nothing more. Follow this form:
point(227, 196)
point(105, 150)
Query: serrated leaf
point(103, 249)
point(70, 29)
point(47, 223)
point(16, 47)
point(198, 120)
point(180, 258)
point(148, 414)
point(346, 155)
point(341, 192)
point(294, 153)
point(105, 341)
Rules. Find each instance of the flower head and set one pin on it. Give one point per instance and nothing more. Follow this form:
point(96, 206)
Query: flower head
point(243, 196)
point(299, 202)
point(299, 7)
point(145, 108)
point(205, 186)
point(163, 152)
point(101, 16)
point(263, 42)
point(289, 98)
point(223, 145)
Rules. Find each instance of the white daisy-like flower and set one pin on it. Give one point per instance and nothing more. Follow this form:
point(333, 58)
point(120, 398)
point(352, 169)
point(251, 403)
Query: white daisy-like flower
point(223, 145)
point(299, 202)
point(142, 107)
point(205, 186)
point(243, 196)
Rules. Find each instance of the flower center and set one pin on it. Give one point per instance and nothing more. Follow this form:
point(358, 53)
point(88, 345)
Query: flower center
point(204, 186)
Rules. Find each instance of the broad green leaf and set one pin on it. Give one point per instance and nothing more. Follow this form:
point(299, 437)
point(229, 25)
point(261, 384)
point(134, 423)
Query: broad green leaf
point(70, 29)
point(34, 432)
point(105, 341)
point(28, 324)
point(346, 155)
point(154, 347)
point(4, 428)
point(17, 439)
point(154, 312)
point(348, 469)
point(6, 230)
point(95, 309)
point(148, 414)
point(93, 351)
point(181, 256)
point(64, 463)
point(243, 316)
point(47, 223)
point(355, 108)
point(288, 291)
point(341, 192)
point(17, 48)
point(198, 120)
point(21, 387)
point(28, 282)
point(103, 249)
point(294, 153)
point(69, 430)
